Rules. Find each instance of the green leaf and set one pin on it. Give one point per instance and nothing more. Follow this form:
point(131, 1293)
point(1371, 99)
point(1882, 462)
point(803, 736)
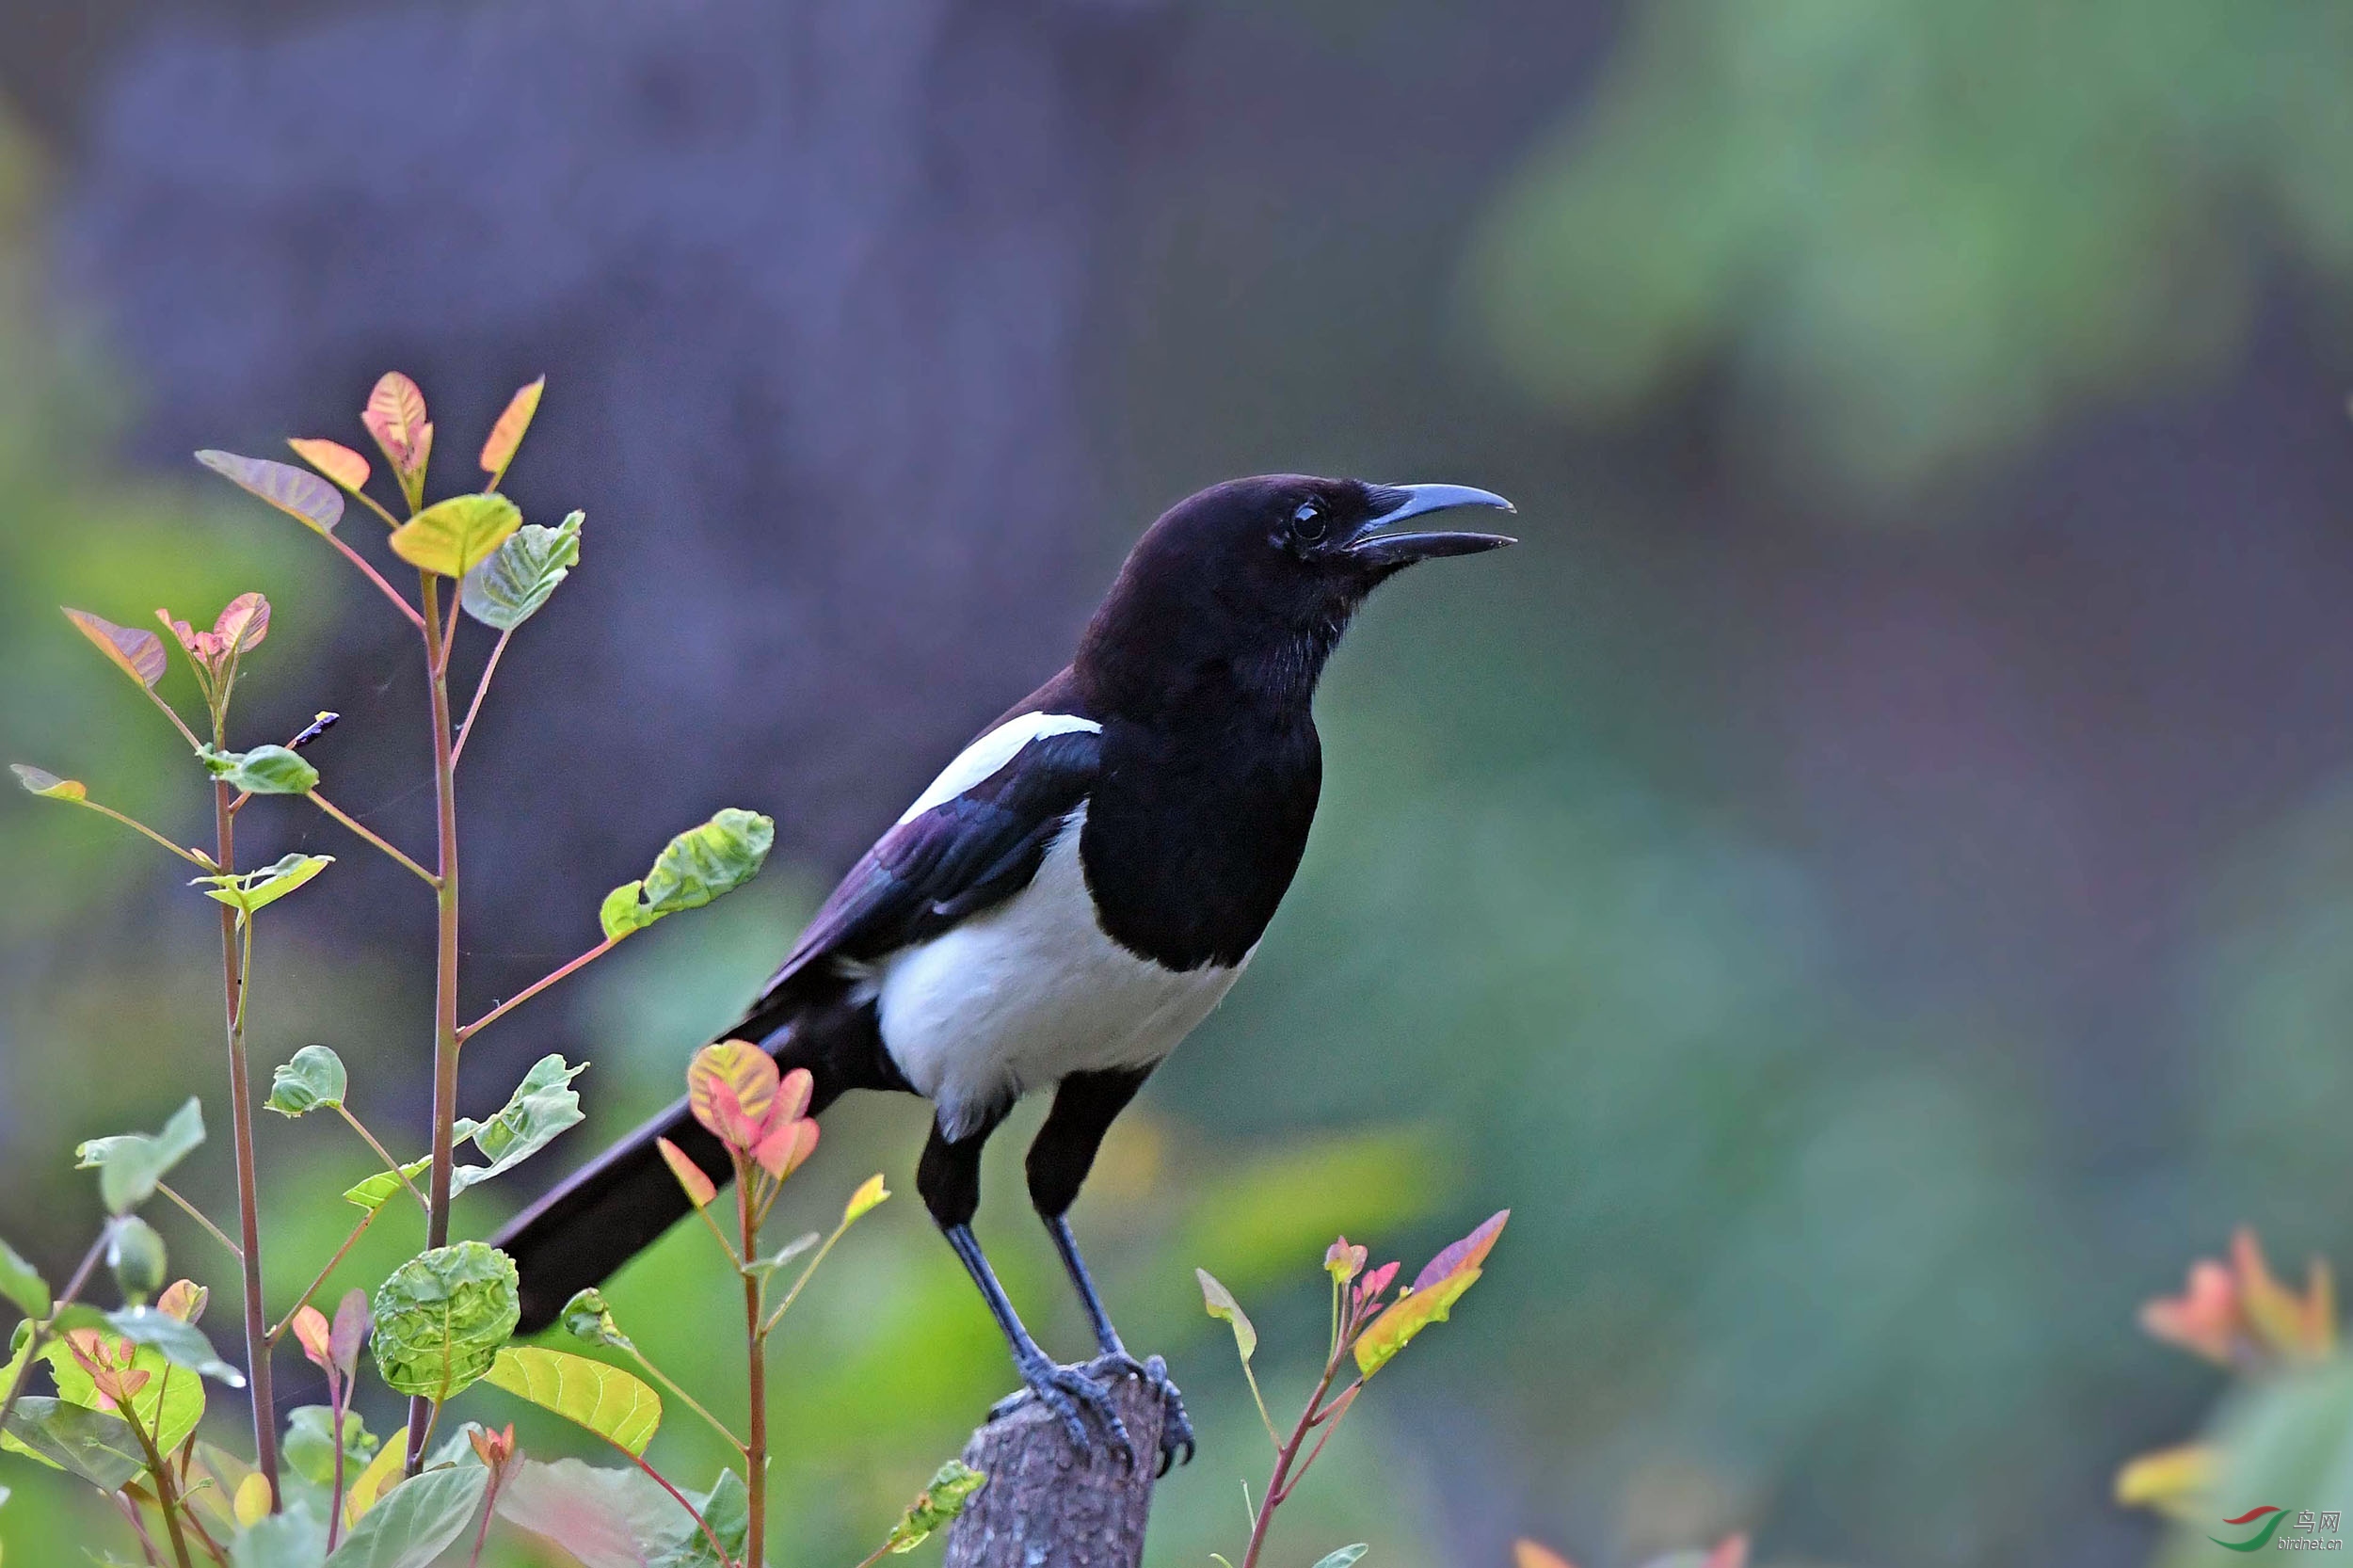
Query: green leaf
point(49, 787)
point(729, 1512)
point(936, 1506)
point(508, 588)
point(868, 1196)
point(309, 1444)
point(760, 1268)
point(257, 890)
point(612, 1403)
point(137, 654)
point(312, 1080)
point(91, 1444)
point(1220, 1302)
point(588, 1317)
point(440, 1319)
point(297, 492)
point(605, 1518)
point(21, 1283)
point(374, 1193)
point(268, 770)
point(701, 864)
point(416, 1521)
point(290, 1540)
point(131, 1163)
point(168, 1406)
point(454, 536)
point(542, 1106)
point(1345, 1557)
point(181, 1344)
point(134, 1254)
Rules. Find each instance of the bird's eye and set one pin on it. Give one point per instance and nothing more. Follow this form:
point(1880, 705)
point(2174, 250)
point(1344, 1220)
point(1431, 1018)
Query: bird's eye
point(1308, 522)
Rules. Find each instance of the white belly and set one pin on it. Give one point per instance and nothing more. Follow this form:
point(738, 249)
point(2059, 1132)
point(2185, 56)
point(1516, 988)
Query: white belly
point(1022, 994)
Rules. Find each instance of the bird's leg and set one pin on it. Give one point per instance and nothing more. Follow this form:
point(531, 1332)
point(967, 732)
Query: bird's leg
point(1084, 1107)
point(949, 1179)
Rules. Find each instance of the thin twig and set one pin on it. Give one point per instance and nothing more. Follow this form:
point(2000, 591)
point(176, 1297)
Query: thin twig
point(357, 1231)
point(664, 1483)
point(385, 1155)
point(480, 689)
point(388, 591)
point(692, 1403)
point(536, 987)
point(197, 1215)
point(194, 858)
point(340, 815)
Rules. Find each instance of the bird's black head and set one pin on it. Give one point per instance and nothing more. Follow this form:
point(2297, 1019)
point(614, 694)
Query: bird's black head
point(1246, 587)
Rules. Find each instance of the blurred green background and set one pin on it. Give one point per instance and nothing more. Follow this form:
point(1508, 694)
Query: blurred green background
point(1867, 881)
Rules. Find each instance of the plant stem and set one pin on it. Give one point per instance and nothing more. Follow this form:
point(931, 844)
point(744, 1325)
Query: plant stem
point(1274, 1489)
point(690, 1402)
point(756, 1377)
point(338, 813)
point(235, 971)
point(482, 1536)
point(191, 856)
point(692, 1513)
point(41, 1331)
point(167, 1502)
point(339, 1399)
point(481, 688)
point(445, 1038)
point(138, 1528)
point(357, 1231)
point(385, 1155)
point(197, 1215)
point(536, 987)
point(388, 591)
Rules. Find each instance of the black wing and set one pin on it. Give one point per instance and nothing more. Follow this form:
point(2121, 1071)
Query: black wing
point(961, 856)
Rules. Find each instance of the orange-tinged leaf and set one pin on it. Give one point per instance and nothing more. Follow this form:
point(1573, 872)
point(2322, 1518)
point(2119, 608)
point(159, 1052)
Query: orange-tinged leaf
point(1468, 1254)
point(792, 1093)
point(508, 434)
point(297, 492)
point(1344, 1261)
point(699, 1188)
point(454, 536)
point(1531, 1554)
point(382, 1471)
point(243, 622)
point(185, 1300)
point(785, 1146)
point(1407, 1317)
point(2204, 1318)
point(2171, 1480)
point(731, 1088)
point(137, 654)
point(395, 416)
point(870, 1194)
point(334, 459)
point(48, 785)
point(311, 1332)
point(1731, 1552)
point(2281, 1320)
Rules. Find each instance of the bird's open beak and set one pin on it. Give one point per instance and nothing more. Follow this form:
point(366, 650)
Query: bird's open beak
point(1374, 548)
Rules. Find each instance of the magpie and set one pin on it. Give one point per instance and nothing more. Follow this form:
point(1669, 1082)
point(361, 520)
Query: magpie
point(1061, 907)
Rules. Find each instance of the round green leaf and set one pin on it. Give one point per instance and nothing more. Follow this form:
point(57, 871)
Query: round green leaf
point(508, 588)
point(440, 1319)
point(266, 769)
point(314, 1080)
point(129, 1165)
point(454, 536)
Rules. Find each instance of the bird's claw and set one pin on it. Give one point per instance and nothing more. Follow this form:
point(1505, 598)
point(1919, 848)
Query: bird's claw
point(1175, 1426)
point(1066, 1390)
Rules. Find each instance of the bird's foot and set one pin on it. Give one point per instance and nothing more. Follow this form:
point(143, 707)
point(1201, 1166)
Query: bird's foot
point(1067, 1391)
point(1175, 1426)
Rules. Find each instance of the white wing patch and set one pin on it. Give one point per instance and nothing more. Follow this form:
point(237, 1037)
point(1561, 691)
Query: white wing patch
point(992, 752)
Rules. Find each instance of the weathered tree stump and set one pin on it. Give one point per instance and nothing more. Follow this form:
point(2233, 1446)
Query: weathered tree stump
point(1047, 1505)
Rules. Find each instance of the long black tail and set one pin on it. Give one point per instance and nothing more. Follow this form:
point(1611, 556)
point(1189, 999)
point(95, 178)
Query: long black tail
point(619, 1205)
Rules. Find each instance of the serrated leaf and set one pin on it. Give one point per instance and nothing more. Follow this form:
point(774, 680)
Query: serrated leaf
point(604, 1518)
point(454, 536)
point(334, 459)
point(868, 1196)
point(508, 588)
point(257, 890)
point(441, 1318)
point(130, 1164)
point(1220, 1302)
point(297, 492)
point(180, 1343)
point(47, 785)
point(936, 1506)
point(312, 1080)
point(310, 1444)
point(612, 1403)
point(700, 1188)
point(378, 1188)
point(395, 416)
point(266, 769)
point(416, 1521)
point(21, 1284)
point(497, 451)
point(542, 1106)
point(89, 1443)
point(137, 654)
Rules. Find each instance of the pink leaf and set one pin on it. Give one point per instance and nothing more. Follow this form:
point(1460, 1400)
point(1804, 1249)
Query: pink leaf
point(243, 623)
point(395, 416)
point(300, 494)
point(1469, 1253)
point(137, 654)
point(312, 1332)
point(785, 1146)
point(699, 1188)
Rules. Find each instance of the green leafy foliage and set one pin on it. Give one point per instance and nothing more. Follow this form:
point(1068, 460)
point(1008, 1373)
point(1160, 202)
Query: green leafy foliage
point(727, 1509)
point(588, 1317)
point(1220, 1302)
point(415, 1522)
point(180, 1343)
point(312, 1080)
point(130, 1164)
point(137, 654)
point(310, 1443)
point(89, 1443)
point(47, 785)
point(615, 1405)
point(454, 536)
point(168, 1403)
point(257, 890)
point(268, 770)
point(936, 1506)
point(442, 1317)
point(21, 1284)
point(134, 1256)
point(377, 1190)
point(699, 864)
point(301, 495)
point(294, 1539)
point(508, 588)
point(1345, 1557)
point(542, 1106)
